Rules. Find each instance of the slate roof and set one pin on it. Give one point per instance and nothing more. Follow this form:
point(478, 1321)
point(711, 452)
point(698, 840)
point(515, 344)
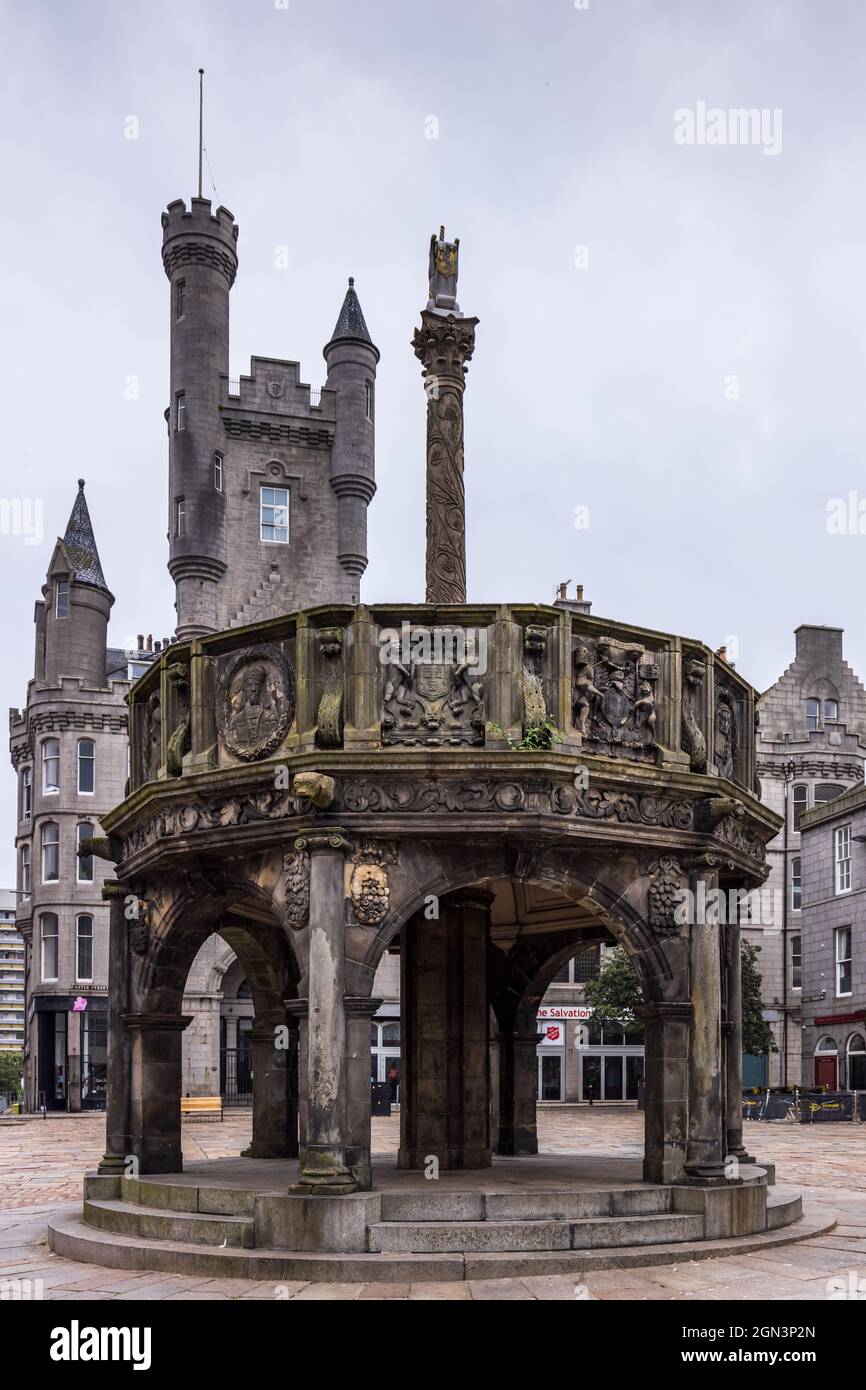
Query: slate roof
point(80, 544)
point(351, 323)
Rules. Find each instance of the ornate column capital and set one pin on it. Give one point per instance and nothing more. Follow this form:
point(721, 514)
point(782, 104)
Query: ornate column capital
point(330, 838)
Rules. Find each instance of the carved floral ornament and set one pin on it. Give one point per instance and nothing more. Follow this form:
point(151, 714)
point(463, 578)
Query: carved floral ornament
point(664, 893)
point(255, 701)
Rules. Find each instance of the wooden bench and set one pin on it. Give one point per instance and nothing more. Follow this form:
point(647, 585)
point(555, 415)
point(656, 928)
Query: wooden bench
point(201, 1107)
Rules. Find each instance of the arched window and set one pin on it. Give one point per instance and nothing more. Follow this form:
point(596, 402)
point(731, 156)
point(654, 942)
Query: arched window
point(856, 1062)
point(831, 711)
point(51, 766)
point(50, 939)
point(828, 791)
point(84, 947)
point(813, 713)
point(800, 795)
point(244, 991)
point(50, 852)
point(86, 765)
point(83, 833)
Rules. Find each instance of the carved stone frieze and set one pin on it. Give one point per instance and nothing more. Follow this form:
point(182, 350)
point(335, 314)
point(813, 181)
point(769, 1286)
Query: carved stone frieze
point(628, 809)
point(265, 804)
point(255, 701)
point(395, 794)
point(738, 837)
point(614, 698)
point(329, 723)
point(692, 739)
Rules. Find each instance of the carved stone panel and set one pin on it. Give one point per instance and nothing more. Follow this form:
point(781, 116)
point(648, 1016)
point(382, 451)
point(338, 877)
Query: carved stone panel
point(726, 733)
point(432, 694)
point(534, 703)
point(296, 868)
point(692, 739)
point(329, 722)
point(255, 701)
point(663, 894)
point(614, 698)
point(151, 747)
point(369, 884)
point(179, 738)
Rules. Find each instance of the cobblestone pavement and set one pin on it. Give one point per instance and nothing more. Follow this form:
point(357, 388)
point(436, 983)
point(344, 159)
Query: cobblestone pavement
point(42, 1163)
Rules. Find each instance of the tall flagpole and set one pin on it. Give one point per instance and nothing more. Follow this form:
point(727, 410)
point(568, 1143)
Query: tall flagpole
point(200, 124)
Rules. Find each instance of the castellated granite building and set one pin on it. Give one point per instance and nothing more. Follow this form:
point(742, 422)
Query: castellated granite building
point(69, 747)
point(811, 749)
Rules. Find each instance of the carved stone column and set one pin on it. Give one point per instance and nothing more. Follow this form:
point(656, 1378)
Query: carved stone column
point(705, 1153)
point(444, 344)
point(359, 1011)
point(734, 1047)
point(324, 1165)
point(117, 1140)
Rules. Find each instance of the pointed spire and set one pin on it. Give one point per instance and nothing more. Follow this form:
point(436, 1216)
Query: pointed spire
point(351, 323)
point(80, 544)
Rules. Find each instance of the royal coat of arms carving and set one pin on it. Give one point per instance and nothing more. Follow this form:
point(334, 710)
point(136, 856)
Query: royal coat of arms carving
point(433, 701)
point(256, 701)
point(369, 885)
point(614, 698)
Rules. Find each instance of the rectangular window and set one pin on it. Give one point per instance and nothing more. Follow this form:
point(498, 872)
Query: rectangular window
point(800, 803)
point(842, 858)
point(181, 298)
point(274, 515)
point(843, 960)
point(181, 410)
point(796, 884)
point(26, 793)
point(50, 944)
point(813, 714)
point(218, 472)
point(368, 399)
point(25, 871)
point(84, 947)
point(796, 962)
point(50, 852)
point(51, 766)
point(84, 833)
point(179, 516)
point(61, 607)
point(86, 765)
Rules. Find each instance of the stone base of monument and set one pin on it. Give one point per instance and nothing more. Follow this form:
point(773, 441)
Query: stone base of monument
point(532, 1215)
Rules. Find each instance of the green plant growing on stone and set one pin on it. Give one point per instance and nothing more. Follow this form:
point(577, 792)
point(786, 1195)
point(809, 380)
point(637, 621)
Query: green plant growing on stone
point(537, 738)
point(11, 1069)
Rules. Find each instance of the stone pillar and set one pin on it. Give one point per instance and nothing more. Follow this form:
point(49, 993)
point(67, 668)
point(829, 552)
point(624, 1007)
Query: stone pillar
point(275, 1104)
point(156, 1073)
point(117, 1138)
point(705, 1153)
point(324, 1165)
point(359, 1011)
point(445, 1081)
point(666, 1116)
point(73, 1061)
point(517, 1131)
point(444, 344)
point(734, 1048)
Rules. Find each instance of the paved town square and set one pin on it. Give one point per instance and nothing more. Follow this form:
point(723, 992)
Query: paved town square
point(42, 1164)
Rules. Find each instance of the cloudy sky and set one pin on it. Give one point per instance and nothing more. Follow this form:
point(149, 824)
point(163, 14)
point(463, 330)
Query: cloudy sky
point(671, 334)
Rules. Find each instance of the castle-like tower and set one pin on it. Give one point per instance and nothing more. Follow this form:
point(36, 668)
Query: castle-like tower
point(69, 747)
point(269, 483)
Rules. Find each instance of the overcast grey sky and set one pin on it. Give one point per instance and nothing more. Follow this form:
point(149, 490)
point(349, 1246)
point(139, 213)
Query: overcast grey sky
point(693, 376)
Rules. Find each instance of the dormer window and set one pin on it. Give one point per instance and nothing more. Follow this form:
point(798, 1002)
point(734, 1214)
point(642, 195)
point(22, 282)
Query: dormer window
point(61, 599)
